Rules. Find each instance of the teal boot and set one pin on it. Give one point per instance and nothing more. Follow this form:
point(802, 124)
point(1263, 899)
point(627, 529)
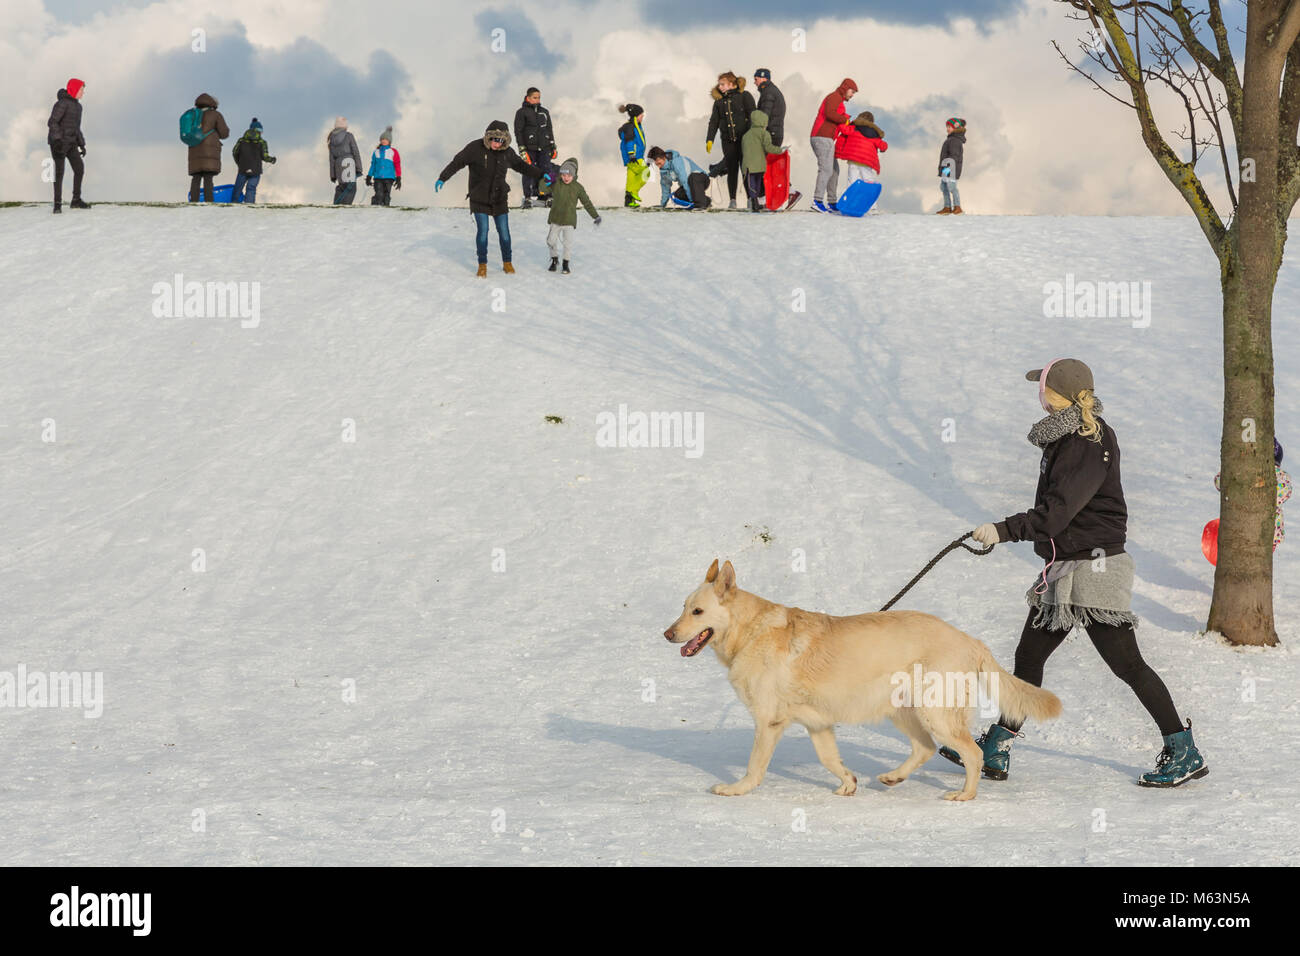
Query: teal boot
point(1178, 762)
point(996, 744)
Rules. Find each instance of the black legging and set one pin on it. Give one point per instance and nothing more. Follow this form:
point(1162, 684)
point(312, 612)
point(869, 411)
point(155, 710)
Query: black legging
point(731, 153)
point(73, 159)
point(206, 180)
point(1117, 645)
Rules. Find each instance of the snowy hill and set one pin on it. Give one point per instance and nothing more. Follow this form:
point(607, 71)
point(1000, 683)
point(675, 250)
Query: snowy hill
point(440, 642)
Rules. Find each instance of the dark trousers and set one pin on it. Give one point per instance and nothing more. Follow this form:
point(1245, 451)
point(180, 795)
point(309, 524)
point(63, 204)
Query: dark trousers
point(78, 168)
point(754, 187)
point(542, 163)
point(1117, 645)
point(206, 179)
point(502, 221)
point(731, 152)
point(383, 192)
point(344, 193)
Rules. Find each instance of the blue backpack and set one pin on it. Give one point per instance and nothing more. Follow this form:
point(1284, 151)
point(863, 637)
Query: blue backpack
point(192, 127)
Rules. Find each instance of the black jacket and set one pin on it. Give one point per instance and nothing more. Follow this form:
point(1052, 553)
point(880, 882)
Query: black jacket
point(952, 148)
point(1079, 504)
point(533, 128)
point(65, 123)
point(772, 102)
point(488, 190)
point(250, 152)
point(730, 115)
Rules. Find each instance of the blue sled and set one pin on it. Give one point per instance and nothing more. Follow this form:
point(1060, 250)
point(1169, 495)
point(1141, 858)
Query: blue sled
point(224, 193)
point(858, 198)
point(683, 203)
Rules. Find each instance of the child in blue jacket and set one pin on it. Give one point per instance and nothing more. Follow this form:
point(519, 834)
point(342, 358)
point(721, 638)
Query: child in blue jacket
point(385, 170)
point(631, 142)
point(675, 169)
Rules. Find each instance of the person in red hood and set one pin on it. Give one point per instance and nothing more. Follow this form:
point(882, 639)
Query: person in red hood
point(66, 143)
point(831, 115)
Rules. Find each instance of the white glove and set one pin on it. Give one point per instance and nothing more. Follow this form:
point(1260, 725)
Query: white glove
point(985, 534)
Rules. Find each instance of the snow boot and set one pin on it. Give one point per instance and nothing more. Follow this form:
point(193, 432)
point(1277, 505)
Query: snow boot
point(564, 270)
point(555, 262)
point(630, 201)
point(79, 204)
point(996, 745)
point(956, 210)
point(482, 270)
point(718, 169)
point(753, 204)
point(507, 268)
point(1178, 762)
point(58, 208)
point(526, 204)
point(732, 204)
point(945, 211)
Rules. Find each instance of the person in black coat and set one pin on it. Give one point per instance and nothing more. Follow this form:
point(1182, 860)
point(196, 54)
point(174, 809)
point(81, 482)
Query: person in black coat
point(772, 102)
point(1078, 526)
point(535, 137)
point(732, 104)
point(488, 160)
point(66, 142)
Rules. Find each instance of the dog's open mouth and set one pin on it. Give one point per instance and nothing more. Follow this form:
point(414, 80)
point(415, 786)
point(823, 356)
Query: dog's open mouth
point(696, 643)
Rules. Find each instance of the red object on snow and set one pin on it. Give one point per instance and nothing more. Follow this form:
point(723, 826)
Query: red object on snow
point(776, 180)
point(1210, 541)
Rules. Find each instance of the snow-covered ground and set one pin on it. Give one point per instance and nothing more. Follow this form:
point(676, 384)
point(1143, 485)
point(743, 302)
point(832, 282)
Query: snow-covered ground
point(494, 585)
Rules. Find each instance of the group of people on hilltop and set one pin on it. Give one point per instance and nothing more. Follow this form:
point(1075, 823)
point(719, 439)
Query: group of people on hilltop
point(746, 129)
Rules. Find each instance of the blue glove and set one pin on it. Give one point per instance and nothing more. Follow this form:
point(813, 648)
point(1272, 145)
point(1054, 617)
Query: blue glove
point(437, 185)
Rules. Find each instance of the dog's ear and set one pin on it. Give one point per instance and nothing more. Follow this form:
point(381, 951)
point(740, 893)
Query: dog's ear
point(712, 574)
point(726, 581)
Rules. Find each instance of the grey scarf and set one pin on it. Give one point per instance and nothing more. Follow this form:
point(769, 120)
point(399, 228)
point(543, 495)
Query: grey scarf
point(1059, 424)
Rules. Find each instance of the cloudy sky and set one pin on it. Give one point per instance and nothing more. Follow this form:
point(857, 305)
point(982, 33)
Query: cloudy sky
point(1040, 139)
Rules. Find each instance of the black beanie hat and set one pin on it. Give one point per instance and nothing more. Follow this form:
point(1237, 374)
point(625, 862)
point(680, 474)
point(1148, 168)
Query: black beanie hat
point(632, 110)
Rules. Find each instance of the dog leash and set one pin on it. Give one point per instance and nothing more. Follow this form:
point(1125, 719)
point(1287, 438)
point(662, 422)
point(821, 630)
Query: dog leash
point(959, 543)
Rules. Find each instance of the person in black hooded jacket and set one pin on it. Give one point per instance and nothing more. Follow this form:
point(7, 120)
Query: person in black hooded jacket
point(535, 137)
point(488, 160)
point(732, 104)
point(66, 142)
point(771, 101)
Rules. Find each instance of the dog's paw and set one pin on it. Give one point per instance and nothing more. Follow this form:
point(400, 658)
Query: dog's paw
point(958, 795)
point(848, 788)
point(730, 789)
point(890, 779)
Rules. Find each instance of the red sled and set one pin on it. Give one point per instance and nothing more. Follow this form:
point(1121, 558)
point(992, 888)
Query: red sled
point(776, 181)
point(1210, 541)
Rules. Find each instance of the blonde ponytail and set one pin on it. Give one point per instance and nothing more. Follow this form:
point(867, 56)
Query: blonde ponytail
point(1091, 428)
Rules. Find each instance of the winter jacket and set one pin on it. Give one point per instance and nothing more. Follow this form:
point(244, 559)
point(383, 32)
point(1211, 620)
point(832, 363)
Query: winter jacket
point(772, 102)
point(831, 115)
point(952, 149)
point(385, 163)
point(860, 144)
point(488, 190)
point(631, 140)
point(250, 152)
point(565, 198)
point(533, 128)
point(730, 112)
point(65, 123)
point(1079, 505)
point(206, 157)
point(343, 145)
point(756, 144)
point(676, 172)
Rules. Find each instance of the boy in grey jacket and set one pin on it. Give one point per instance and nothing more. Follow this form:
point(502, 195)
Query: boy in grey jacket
point(950, 154)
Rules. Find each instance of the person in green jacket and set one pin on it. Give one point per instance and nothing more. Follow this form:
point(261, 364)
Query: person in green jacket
point(563, 220)
point(754, 147)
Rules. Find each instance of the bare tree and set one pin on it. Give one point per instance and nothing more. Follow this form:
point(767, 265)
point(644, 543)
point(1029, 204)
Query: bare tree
point(1143, 47)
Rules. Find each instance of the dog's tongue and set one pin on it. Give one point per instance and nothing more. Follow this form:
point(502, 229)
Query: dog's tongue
point(692, 647)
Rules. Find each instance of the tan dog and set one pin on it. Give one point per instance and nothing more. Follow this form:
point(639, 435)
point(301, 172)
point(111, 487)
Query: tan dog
point(790, 665)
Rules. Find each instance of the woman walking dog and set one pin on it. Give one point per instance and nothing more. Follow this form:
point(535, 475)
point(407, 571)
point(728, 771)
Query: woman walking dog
point(1078, 525)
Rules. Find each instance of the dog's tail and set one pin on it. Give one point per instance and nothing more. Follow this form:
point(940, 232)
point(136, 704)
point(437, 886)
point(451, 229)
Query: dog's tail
point(1019, 700)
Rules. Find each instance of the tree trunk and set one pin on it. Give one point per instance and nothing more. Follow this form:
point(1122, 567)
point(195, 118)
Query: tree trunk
point(1242, 608)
